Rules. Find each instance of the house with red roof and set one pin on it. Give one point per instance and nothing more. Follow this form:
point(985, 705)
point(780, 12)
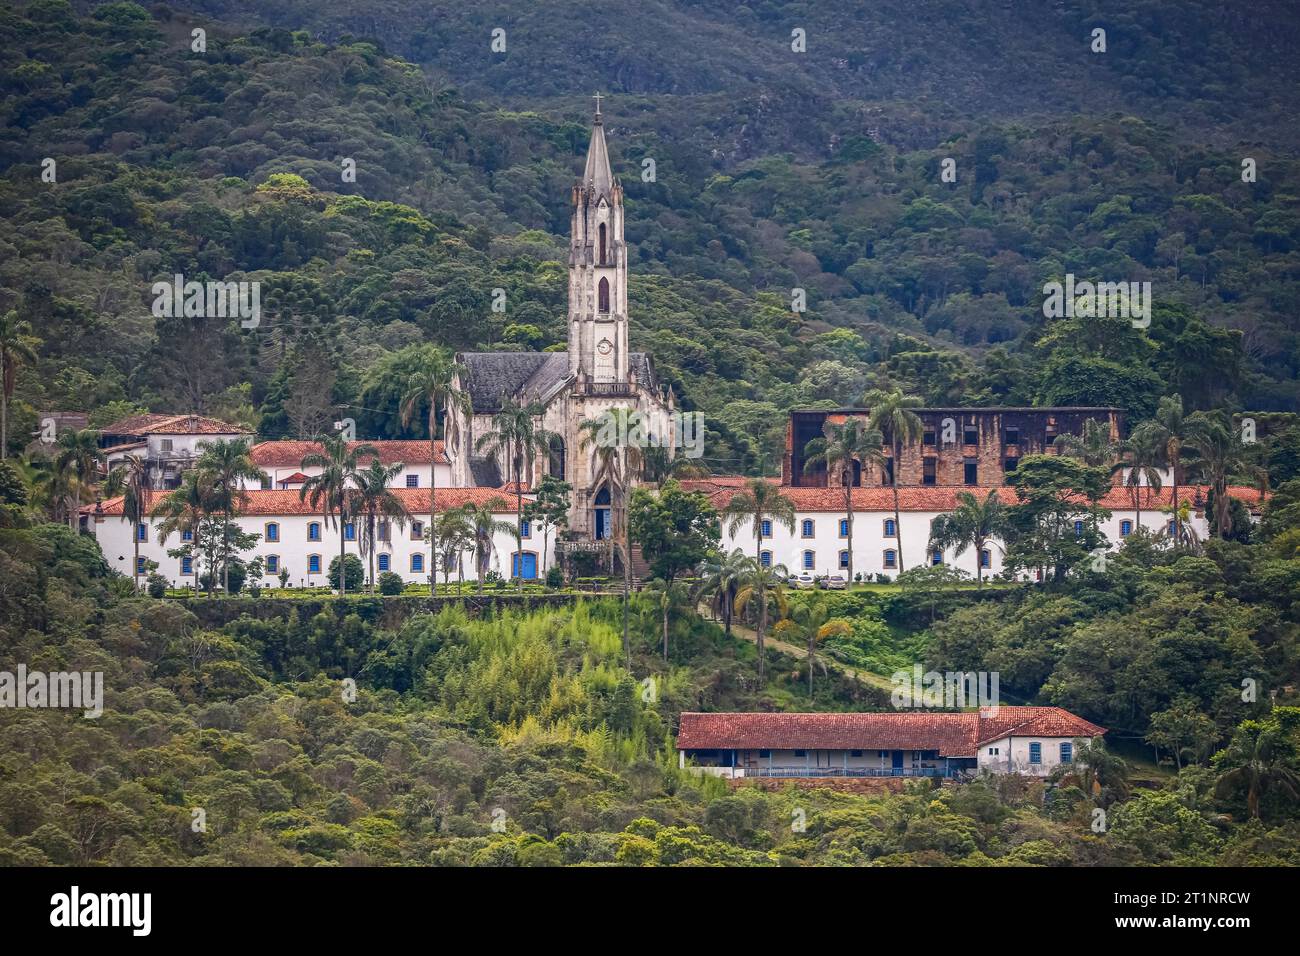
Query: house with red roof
point(1021, 740)
point(169, 443)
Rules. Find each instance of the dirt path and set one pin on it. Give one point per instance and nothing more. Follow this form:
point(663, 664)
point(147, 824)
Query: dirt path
point(801, 653)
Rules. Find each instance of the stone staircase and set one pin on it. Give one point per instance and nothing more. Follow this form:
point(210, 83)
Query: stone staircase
point(641, 572)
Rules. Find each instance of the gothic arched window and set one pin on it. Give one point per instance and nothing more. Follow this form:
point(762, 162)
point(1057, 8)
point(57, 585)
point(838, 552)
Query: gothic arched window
point(555, 466)
point(604, 255)
point(602, 296)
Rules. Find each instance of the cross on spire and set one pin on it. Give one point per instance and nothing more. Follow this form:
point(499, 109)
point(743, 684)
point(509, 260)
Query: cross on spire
point(597, 99)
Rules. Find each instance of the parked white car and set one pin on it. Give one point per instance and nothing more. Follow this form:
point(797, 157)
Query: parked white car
point(805, 581)
point(834, 582)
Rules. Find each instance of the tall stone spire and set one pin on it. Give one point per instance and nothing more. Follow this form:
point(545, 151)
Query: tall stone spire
point(597, 173)
point(598, 337)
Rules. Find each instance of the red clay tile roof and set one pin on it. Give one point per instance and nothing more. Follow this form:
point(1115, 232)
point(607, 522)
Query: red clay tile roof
point(297, 477)
point(285, 502)
point(952, 735)
point(154, 424)
point(944, 497)
point(289, 454)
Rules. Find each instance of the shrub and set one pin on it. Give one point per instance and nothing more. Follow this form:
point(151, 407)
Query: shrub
point(156, 586)
point(554, 577)
point(356, 573)
point(390, 582)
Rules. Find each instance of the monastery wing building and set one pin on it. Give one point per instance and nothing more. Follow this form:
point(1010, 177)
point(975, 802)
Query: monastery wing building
point(598, 371)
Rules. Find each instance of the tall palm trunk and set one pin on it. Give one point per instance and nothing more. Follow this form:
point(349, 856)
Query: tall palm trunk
point(343, 577)
point(135, 561)
point(898, 520)
point(1173, 476)
point(665, 629)
point(4, 422)
point(847, 479)
point(433, 493)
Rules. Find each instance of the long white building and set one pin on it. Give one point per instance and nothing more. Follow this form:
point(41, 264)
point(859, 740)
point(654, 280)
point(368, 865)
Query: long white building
point(298, 539)
point(818, 543)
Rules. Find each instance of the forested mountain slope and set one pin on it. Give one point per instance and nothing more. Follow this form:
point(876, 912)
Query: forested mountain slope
point(227, 164)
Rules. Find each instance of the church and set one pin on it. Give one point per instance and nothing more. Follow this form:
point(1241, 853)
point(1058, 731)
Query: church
point(598, 371)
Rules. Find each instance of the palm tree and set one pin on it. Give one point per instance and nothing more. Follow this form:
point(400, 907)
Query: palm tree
point(1142, 458)
point(1093, 446)
point(1171, 431)
point(1219, 456)
point(666, 595)
point(76, 461)
point(482, 519)
point(760, 501)
point(840, 447)
point(132, 480)
point(891, 414)
point(720, 580)
point(434, 385)
point(971, 524)
point(186, 509)
point(517, 437)
point(455, 536)
point(223, 467)
point(616, 460)
point(373, 502)
point(17, 347)
point(1259, 756)
point(332, 490)
point(813, 618)
point(766, 588)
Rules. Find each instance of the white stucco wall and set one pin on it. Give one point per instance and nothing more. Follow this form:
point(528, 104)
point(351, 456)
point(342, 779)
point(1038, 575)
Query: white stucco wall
point(294, 548)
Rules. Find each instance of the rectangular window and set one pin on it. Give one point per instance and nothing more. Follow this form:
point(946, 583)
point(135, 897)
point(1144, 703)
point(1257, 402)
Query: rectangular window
point(413, 481)
point(807, 529)
point(417, 530)
point(349, 532)
point(187, 535)
point(1125, 528)
point(272, 532)
point(887, 474)
point(384, 530)
point(383, 562)
point(525, 529)
point(266, 482)
point(927, 437)
point(142, 532)
point(765, 559)
point(1078, 527)
point(844, 527)
point(844, 559)
point(767, 529)
point(890, 530)
point(313, 564)
point(140, 565)
point(855, 753)
point(809, 560)
point(417, 563)
point(936, 558)
point(801, 753)
point(1013, 436)
point(1010, 464)
point(1035, 752)
point(986, 559)
point(891, 559)
point(272, 564)
point(929, 470)
point(971, 472)
point(1067, 753)
point(970, 435)
point(313, 531)
point(187, 565)
point(765, 754)
point(166, 444)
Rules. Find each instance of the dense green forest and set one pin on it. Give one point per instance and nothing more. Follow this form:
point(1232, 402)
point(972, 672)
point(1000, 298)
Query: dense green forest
point(228, 164)
point(525, 738)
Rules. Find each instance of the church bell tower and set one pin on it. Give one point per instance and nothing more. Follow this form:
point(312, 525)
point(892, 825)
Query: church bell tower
point(598, 339)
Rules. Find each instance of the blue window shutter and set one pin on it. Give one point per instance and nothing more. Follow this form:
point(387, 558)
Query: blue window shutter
point(1035, 752)
point(1067, 753)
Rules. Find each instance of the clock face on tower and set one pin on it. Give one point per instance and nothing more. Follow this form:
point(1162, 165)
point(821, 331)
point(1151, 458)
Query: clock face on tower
point(604, 347)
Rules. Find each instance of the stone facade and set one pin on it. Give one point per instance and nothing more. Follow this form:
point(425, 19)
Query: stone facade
point(974, 447)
